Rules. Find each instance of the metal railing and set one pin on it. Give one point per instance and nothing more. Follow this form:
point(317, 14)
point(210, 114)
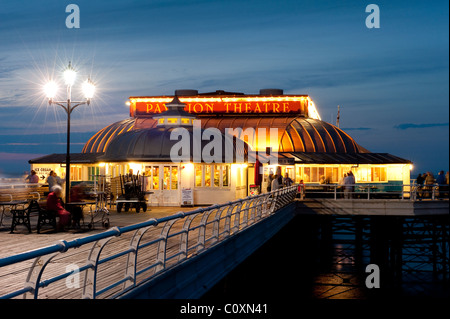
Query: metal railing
point(114, 262)
point(378, 190)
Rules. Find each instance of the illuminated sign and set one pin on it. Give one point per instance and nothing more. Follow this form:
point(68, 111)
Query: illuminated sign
point(145, 107)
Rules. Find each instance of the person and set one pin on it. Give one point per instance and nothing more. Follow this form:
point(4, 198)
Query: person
point(269, 181)
point(349, 181)
point(301, 189)
point(442, 187)
point(429, 181)
point(54, 203)
point(440, 179)
point(419, 182)
point(51, 180)
point(276, 183)
point(287, 181)
point(32, 178)
point(341, 185)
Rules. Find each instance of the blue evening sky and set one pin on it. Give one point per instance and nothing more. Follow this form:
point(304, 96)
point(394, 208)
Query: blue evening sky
point(391, 83)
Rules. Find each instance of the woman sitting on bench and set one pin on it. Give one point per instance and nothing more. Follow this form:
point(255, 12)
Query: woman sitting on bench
point(54, 203)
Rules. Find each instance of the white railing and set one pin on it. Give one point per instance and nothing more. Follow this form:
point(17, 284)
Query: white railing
point(113, 264)
point(377, 191)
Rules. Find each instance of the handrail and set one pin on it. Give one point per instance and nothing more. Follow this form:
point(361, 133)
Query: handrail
point(213, 225)
point(369, 191)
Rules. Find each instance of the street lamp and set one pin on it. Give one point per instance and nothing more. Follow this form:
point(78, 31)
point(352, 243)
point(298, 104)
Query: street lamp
point(50, 90)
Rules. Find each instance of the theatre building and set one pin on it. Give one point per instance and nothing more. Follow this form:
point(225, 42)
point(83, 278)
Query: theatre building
point(257, 134)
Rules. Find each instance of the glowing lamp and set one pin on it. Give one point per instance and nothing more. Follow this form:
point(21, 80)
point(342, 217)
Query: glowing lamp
point(88, 89)
point(69, 75)
point(50, 89)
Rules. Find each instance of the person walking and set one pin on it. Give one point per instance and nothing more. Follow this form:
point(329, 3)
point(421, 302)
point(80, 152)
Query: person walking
point(276, 182)
point(349, 182)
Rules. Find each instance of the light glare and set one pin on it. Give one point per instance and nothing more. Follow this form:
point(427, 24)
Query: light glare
point(50, 89)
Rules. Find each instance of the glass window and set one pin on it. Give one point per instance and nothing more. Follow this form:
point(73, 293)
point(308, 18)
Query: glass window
point(207, 175)
point(198, 175)
point(307, 174)
point(172, 120)
point(166, 177)
point(225, 175)
point(174, 177)
point(314, 177)
point(216, 175)
point(155, 177)
point(335, 175)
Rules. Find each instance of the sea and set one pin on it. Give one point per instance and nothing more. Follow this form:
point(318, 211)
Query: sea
point(326, 257)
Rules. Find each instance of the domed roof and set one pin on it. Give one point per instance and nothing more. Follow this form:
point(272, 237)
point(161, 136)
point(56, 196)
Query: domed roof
point(101, 139)
point(295, 134)
point(155, 144)
point(316, 136)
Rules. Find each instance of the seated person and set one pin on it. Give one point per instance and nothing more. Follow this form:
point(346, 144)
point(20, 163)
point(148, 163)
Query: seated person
point(54, 203)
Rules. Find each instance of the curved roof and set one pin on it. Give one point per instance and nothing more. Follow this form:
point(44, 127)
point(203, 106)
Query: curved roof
point(101, 139)
point(295, 134)
point(155, 144)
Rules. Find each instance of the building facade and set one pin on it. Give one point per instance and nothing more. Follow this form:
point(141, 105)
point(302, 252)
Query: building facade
point(266, 132)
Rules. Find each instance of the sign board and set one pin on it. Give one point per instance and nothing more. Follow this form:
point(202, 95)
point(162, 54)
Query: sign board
point(144, 107)
point(187, 197)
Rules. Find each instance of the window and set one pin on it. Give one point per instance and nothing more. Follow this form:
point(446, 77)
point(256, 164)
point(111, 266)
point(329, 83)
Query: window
point(314, 177)
point(378, 174)
point(207, 175)
point(225, 175)
point(212, 175)
point(198, 175)
point(307, 174)
point(185, 121)
point(172, 120)
point(155, 177)
point(216, 175)
point(174, 177)
point(93, 172)
point(75, 173)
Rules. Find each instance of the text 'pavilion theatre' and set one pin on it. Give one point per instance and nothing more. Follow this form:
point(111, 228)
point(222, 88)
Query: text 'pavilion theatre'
point(271, 125)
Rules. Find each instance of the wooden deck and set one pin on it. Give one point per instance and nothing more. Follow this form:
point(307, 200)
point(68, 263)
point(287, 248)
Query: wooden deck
point(13, 277)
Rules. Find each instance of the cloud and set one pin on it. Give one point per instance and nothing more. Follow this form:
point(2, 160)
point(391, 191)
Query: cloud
point(406, 126)
point(356, 129)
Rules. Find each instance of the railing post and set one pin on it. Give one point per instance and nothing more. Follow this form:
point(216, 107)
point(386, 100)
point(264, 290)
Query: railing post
point(185, 237)
point(162, 245)
point(130, 269)
point(90, 278)
point(335, 192)
point(35, 274)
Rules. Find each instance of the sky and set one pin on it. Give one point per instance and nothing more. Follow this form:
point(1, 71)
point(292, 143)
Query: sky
point(391, 82)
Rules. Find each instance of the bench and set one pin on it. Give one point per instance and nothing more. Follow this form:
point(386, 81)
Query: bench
point(22, 217)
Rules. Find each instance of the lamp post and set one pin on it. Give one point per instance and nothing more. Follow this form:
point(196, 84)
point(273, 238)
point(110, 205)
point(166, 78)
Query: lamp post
point(50, 90)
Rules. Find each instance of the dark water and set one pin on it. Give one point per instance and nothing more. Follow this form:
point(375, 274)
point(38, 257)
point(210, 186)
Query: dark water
point(325, 257)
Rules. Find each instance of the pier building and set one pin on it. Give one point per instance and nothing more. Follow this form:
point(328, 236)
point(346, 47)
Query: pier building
point(271, 132)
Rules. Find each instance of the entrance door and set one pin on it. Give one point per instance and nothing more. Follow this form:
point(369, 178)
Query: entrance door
point(164, 182)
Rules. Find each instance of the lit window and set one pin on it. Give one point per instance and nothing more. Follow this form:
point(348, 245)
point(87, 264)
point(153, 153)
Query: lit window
point(161, 121)
point(185, 121)
point(207, 175)
point(172, 120)
point(198, 175)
